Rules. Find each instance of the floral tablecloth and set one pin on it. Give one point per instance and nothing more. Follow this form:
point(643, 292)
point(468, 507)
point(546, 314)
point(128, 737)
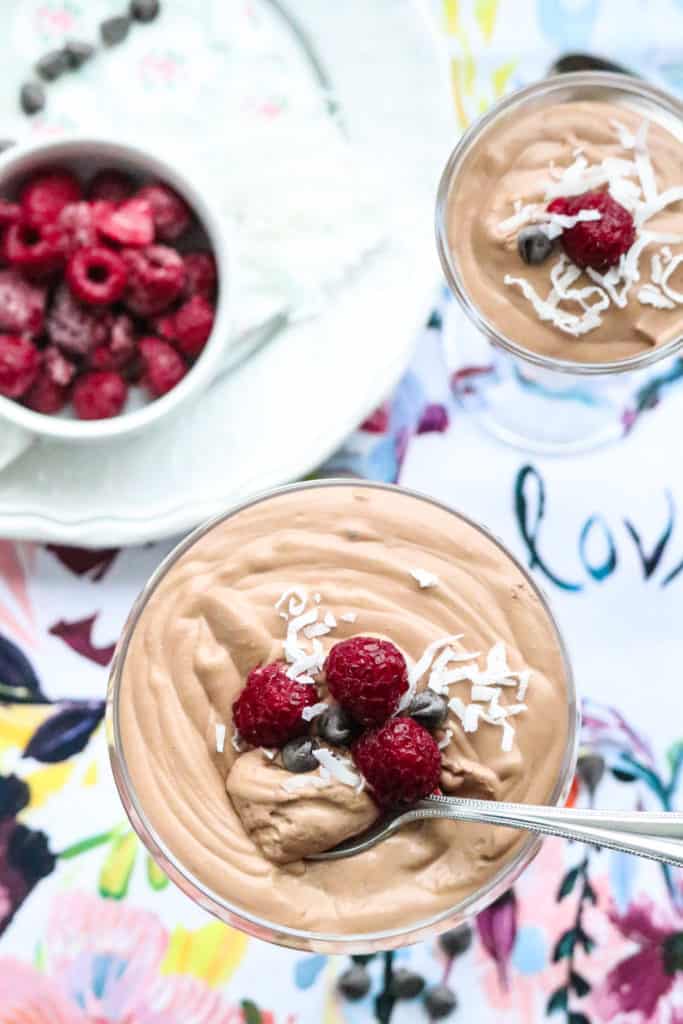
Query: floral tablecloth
point(90, 929)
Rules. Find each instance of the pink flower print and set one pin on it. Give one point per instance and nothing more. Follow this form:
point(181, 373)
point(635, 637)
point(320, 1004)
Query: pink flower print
point(637, 989)
point(103, 963)
point(28, 998)
point(55, 20)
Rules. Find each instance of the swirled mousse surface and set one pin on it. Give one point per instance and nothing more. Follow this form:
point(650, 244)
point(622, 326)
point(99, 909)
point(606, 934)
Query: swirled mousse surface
point(213, 618)
point(518, 163)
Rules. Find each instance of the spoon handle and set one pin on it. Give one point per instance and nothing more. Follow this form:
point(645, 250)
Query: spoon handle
point(655, 835)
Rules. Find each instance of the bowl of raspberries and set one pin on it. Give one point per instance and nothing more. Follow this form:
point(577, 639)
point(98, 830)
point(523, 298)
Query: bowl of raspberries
point(114, 281)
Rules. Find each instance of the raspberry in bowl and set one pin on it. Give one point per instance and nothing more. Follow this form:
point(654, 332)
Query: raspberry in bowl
point(102, 248)
point(560, 231)
point(311, 661)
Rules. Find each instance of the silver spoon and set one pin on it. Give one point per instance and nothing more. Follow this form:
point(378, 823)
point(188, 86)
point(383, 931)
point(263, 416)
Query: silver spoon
point(656, 835)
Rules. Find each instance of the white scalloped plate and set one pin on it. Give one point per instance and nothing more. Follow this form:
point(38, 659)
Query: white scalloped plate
point(280, 415)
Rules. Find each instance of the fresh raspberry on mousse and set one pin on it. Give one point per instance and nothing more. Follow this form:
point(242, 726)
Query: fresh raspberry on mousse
point(267, 712)
point(368, 677)
point(400, 761)
point(596, 243)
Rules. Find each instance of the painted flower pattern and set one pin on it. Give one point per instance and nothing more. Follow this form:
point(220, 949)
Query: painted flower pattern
point(103, 966)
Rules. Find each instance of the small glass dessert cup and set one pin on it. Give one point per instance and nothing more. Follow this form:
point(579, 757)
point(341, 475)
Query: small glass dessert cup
point(182, 564)
point(525, 398)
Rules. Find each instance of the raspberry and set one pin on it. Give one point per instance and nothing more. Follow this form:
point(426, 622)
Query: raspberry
point(78, 224)
point(400, 762)
point(128, 224)
point(367, 676)
point(10, 213)
point(267, 713)
point(19, 365)
point(97, 275)
point(99, 395)
point(22, 304)
point(190, 326)
point(164, 368)
point(171, 214)
point(45, 195)
point(59, 369)
point(156, 277)
point(36, 249)
point(596, 243)
point(76, 328)
point(201, 275)
point(111, 186)
point(46, 396)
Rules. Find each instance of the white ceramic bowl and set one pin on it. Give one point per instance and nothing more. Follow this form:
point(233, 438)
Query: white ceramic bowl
point(85, 155)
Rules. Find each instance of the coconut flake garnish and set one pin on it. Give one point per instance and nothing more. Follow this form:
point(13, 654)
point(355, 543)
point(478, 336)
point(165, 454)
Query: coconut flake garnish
point(484, 693)
point(339, 768)
point(570, 323)
point(313, 710)
point(317, 598)
point(305, 664)
point(306, 779)
point(348, 617)
point(220, 737)
point(317, 629)
point(420, 667)
point(445, 739)
point(671, 293)
point(297, 597)
point(650, 295)
point(237, 742)
point(268, 753)
point(424, 579)
point(330, 620)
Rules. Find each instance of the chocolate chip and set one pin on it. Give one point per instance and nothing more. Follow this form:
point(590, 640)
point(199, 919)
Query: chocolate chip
point(78, 52)
point(115, 30)
point(440, 1002)
point(32, 97)
point(354, 983)
point(534, 246)
point(335, 726)
point(456, 941)
point(52, 65)
point(406, 984)
point(429, 709)
point(297, 755)
point(144, 10)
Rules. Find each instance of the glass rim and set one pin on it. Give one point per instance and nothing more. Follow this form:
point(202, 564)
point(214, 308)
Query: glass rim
point(628, 84)
point(251, 923)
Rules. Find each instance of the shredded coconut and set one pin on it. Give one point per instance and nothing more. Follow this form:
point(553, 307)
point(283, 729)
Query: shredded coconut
point(348, 617)
point(330, 620)
point(317, 629)
point(237, 743)
point(313, 710)
point(220, 737)
point(269, 754)
point(317, 598)
point(424, 579)
point(484, 693)
point(445, 739)
point(339, 768)
point(297, 597)
point(650, 295)
point(307, 663)
point(304, 780)
point(570, 323)
point(671, 293)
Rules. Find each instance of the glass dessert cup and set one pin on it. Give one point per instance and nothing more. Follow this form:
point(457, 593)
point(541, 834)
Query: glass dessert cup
point(230, 912)
point(529, 400)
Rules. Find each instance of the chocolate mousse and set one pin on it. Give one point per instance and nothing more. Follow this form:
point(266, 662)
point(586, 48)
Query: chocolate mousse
point(565, 225)
point(318, 658)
